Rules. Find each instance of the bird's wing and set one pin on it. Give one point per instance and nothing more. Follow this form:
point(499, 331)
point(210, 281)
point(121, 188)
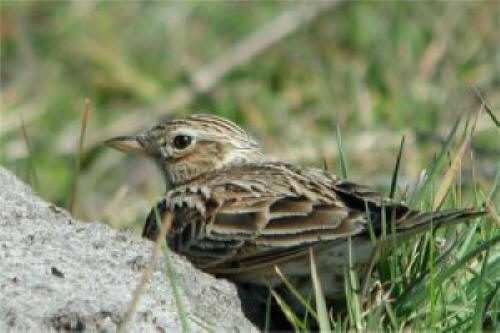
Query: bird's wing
point(396, 215)
point(253, 216)
point(255, 213)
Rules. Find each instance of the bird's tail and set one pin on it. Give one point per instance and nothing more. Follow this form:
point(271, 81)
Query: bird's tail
point(414, 222)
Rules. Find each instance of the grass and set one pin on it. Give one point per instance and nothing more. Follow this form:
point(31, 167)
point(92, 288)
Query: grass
point(323, 322)
point(421, 285)
point(83, 127)
point(32, 176)
point(174, 283)
point(378, 80)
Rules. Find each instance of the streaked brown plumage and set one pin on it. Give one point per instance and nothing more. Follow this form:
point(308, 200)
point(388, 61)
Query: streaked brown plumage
point(238, 215)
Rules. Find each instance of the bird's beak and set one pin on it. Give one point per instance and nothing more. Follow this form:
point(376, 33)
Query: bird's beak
point(129, 144)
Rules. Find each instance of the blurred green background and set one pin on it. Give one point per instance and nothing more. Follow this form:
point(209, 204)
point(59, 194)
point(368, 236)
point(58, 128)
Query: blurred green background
point(290, 72)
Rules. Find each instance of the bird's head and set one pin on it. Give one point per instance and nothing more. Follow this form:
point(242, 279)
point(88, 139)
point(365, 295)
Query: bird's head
point(187, 147)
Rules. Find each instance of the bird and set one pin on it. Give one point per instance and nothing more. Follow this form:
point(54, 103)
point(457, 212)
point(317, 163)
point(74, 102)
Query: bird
point(238, 214)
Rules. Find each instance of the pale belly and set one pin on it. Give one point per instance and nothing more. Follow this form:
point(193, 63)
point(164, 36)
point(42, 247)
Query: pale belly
point(331, 263)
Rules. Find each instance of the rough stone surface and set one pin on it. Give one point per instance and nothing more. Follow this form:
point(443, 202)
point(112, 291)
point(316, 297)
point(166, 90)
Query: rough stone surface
point(59, 273)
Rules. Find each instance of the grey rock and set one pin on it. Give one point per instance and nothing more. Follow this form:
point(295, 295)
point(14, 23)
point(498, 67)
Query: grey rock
point(57, 273)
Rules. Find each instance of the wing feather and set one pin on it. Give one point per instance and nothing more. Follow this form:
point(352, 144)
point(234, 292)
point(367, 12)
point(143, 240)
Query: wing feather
point(237, 223)
point(254, 216)
point(319, 218)
point(345, 228)
point(290, 206)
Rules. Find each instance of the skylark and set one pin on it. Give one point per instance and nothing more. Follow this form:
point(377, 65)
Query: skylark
point(238, 215)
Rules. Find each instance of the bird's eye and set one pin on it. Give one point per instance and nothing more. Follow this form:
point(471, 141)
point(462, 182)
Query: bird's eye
point(182, 141)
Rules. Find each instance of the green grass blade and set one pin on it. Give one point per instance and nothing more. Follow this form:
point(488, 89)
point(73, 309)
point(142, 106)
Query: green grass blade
point(296, 294)
point(383, 217)
point(371, 231)
point(341, 155)
point(174, 284)
point(492, 297)
point(287, 311)
point(436, 164)
point(419, 282)
point(471, 231)
point(432, 281)
point(395, 173)
point(352, 290)
point(478, 315)
point(422, 291)
point(324, 323)
point(391, 315)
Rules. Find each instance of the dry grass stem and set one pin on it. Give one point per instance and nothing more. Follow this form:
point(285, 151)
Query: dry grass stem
point(450, 175)
point(148, 271)
point(29, 147)
point(76, 177)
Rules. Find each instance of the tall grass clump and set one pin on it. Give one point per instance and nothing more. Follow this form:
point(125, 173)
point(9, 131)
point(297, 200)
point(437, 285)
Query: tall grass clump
point(442, 280)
